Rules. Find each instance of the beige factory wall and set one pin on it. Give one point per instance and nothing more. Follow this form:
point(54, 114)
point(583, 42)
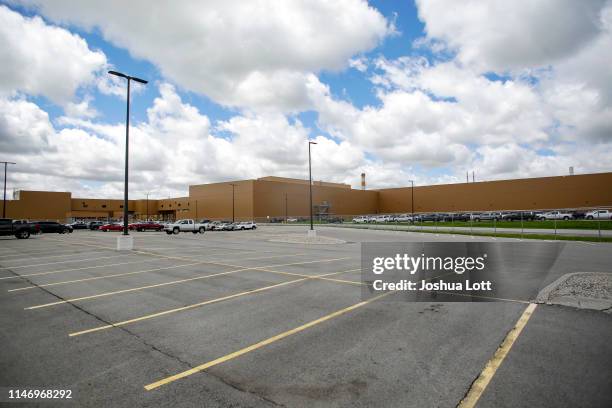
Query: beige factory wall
point(214, 201)
point(40, 205)
point(278, 198)
point(578, 191)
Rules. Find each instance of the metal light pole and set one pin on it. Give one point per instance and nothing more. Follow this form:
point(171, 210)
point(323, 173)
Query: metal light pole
point(148, 206)
point(4, 199)
point(127, 144)
point(310, 181)
point(412, 191)
point(233, 206)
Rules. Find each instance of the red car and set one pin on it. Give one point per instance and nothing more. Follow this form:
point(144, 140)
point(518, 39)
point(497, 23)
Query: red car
point(111, 227)
point(146, 225)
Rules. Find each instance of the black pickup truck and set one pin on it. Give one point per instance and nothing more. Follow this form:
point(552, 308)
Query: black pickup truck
point(19, 230)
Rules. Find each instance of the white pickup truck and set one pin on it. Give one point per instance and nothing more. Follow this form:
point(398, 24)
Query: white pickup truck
point(556, 215)
point(186, 225)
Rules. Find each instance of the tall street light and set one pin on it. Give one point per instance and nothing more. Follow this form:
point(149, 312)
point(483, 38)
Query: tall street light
point(310, 181)
point(4, 200)
point(233, 207)
point(127, 144)
point(148, 206)
point(412, 191)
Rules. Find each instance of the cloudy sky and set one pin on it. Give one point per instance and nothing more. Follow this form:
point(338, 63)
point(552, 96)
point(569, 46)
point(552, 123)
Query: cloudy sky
point(423, 90)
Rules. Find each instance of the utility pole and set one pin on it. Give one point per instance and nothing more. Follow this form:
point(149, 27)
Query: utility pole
point(148, 206)
point(473, 177)
point(4, 199)
point(310, 143)
point(412, 191)
point(233, 207)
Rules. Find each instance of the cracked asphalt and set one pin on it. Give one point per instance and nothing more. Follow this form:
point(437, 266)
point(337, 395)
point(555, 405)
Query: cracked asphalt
point(235, 312)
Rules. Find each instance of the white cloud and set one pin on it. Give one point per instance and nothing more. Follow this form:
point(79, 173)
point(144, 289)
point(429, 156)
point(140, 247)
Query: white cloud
point(246, 54)
point(515, 161)
point(501, 35)
point(431, 116)
point(360, 64)
point(564, 45)
point(24, 127)
point(40, 59)
point(82, 109)
point(448, 116)
point(579, 91)
point(175, 147)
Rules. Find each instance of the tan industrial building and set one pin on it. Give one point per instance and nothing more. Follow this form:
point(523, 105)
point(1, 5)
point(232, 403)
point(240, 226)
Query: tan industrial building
point(271, 198)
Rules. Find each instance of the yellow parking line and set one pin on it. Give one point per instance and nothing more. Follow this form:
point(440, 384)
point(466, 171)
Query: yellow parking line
point(481, 383)
point(53, 255)
point(81, 242)
point(270, 257)
point(180, 309)
point(162, 284)
point(122, 274)
point(77, 269)
point(129, 290)
point(30, 252)
point(260, 344)
point(215, 249)
point(287, 264)
point(63, 262)
point(482, 297)
point(320, 277)
point(182, 258)
point(195, 305)
point(101, 277)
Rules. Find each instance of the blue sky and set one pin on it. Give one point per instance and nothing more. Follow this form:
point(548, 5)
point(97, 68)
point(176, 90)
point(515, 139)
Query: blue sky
point(422, 90)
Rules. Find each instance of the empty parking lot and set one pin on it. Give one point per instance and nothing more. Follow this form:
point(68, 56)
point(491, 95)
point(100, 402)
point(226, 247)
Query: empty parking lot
point(241, 319)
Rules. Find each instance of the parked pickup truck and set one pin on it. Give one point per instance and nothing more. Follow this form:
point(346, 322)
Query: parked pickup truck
point(186, 225)
point(19, 230)
point(599, 215)
point(555, 215)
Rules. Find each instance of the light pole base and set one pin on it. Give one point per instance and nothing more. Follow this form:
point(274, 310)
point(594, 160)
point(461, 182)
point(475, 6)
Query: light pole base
point(125, 243)
point(312, 233)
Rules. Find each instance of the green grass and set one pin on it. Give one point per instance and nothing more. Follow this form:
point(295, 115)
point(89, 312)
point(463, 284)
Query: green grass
point(547, 224)
point(526, 236)
point(492, 234)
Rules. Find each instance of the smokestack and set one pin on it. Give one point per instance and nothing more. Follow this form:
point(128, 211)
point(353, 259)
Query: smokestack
point(363, 183)
point(571, 170)
point(467, 177)
point(473, 177)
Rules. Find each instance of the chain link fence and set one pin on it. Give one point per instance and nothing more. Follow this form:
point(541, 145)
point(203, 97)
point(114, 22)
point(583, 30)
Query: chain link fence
point(592, 222)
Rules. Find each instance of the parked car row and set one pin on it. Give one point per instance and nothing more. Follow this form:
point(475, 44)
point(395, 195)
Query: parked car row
point(171, 227)
point(487, 216)
point(23, 229)
point(194, 226)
